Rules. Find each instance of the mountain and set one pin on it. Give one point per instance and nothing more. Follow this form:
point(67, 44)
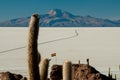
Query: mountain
point(60, 18)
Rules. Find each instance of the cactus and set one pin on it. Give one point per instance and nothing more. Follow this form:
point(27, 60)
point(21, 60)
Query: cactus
point(44, 64)
point(88, 62)
point(33, 57)
point(115, 77)
point(79, 62)
point(109, 73)
point(67, 70)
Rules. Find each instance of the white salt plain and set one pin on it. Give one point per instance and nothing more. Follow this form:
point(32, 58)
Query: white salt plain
point(100, 45)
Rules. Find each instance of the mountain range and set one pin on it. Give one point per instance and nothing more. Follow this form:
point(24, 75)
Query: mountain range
point(60, 18)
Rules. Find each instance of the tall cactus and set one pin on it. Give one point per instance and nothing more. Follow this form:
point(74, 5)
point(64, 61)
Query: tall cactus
point(67, 70)
point(33, 57)
point(44, 64)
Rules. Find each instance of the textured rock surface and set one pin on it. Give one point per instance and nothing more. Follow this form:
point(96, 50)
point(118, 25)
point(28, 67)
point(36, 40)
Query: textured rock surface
point(11, 76)
point(80, 72)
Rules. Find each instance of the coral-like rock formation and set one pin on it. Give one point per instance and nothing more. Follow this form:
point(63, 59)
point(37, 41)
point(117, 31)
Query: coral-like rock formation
point(79, 72)
point(11, 76)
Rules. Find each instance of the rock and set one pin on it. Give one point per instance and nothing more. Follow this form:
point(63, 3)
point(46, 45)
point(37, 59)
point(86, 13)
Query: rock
point(80, 72)
point(11, 76)
point(56, 72)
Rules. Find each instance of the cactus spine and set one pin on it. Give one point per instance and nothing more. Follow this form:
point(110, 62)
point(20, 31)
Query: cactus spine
point(67, 70)
point(33, 56)
point(44, 64)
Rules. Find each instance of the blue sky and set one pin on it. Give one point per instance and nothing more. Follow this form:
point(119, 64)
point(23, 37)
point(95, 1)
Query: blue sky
point(10, 9)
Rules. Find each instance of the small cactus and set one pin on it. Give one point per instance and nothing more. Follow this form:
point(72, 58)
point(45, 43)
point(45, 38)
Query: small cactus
point(44, 64)
point(115, 77)
point(109, 73)
point(88, 61)
point(67, 70)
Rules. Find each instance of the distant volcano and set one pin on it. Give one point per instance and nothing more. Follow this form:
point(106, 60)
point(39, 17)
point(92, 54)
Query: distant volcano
point(60, 18)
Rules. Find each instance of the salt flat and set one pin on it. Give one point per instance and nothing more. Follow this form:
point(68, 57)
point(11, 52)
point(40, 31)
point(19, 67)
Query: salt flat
point(100, 45)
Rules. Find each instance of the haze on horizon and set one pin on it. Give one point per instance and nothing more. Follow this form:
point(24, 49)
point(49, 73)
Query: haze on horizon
point(107, 9)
